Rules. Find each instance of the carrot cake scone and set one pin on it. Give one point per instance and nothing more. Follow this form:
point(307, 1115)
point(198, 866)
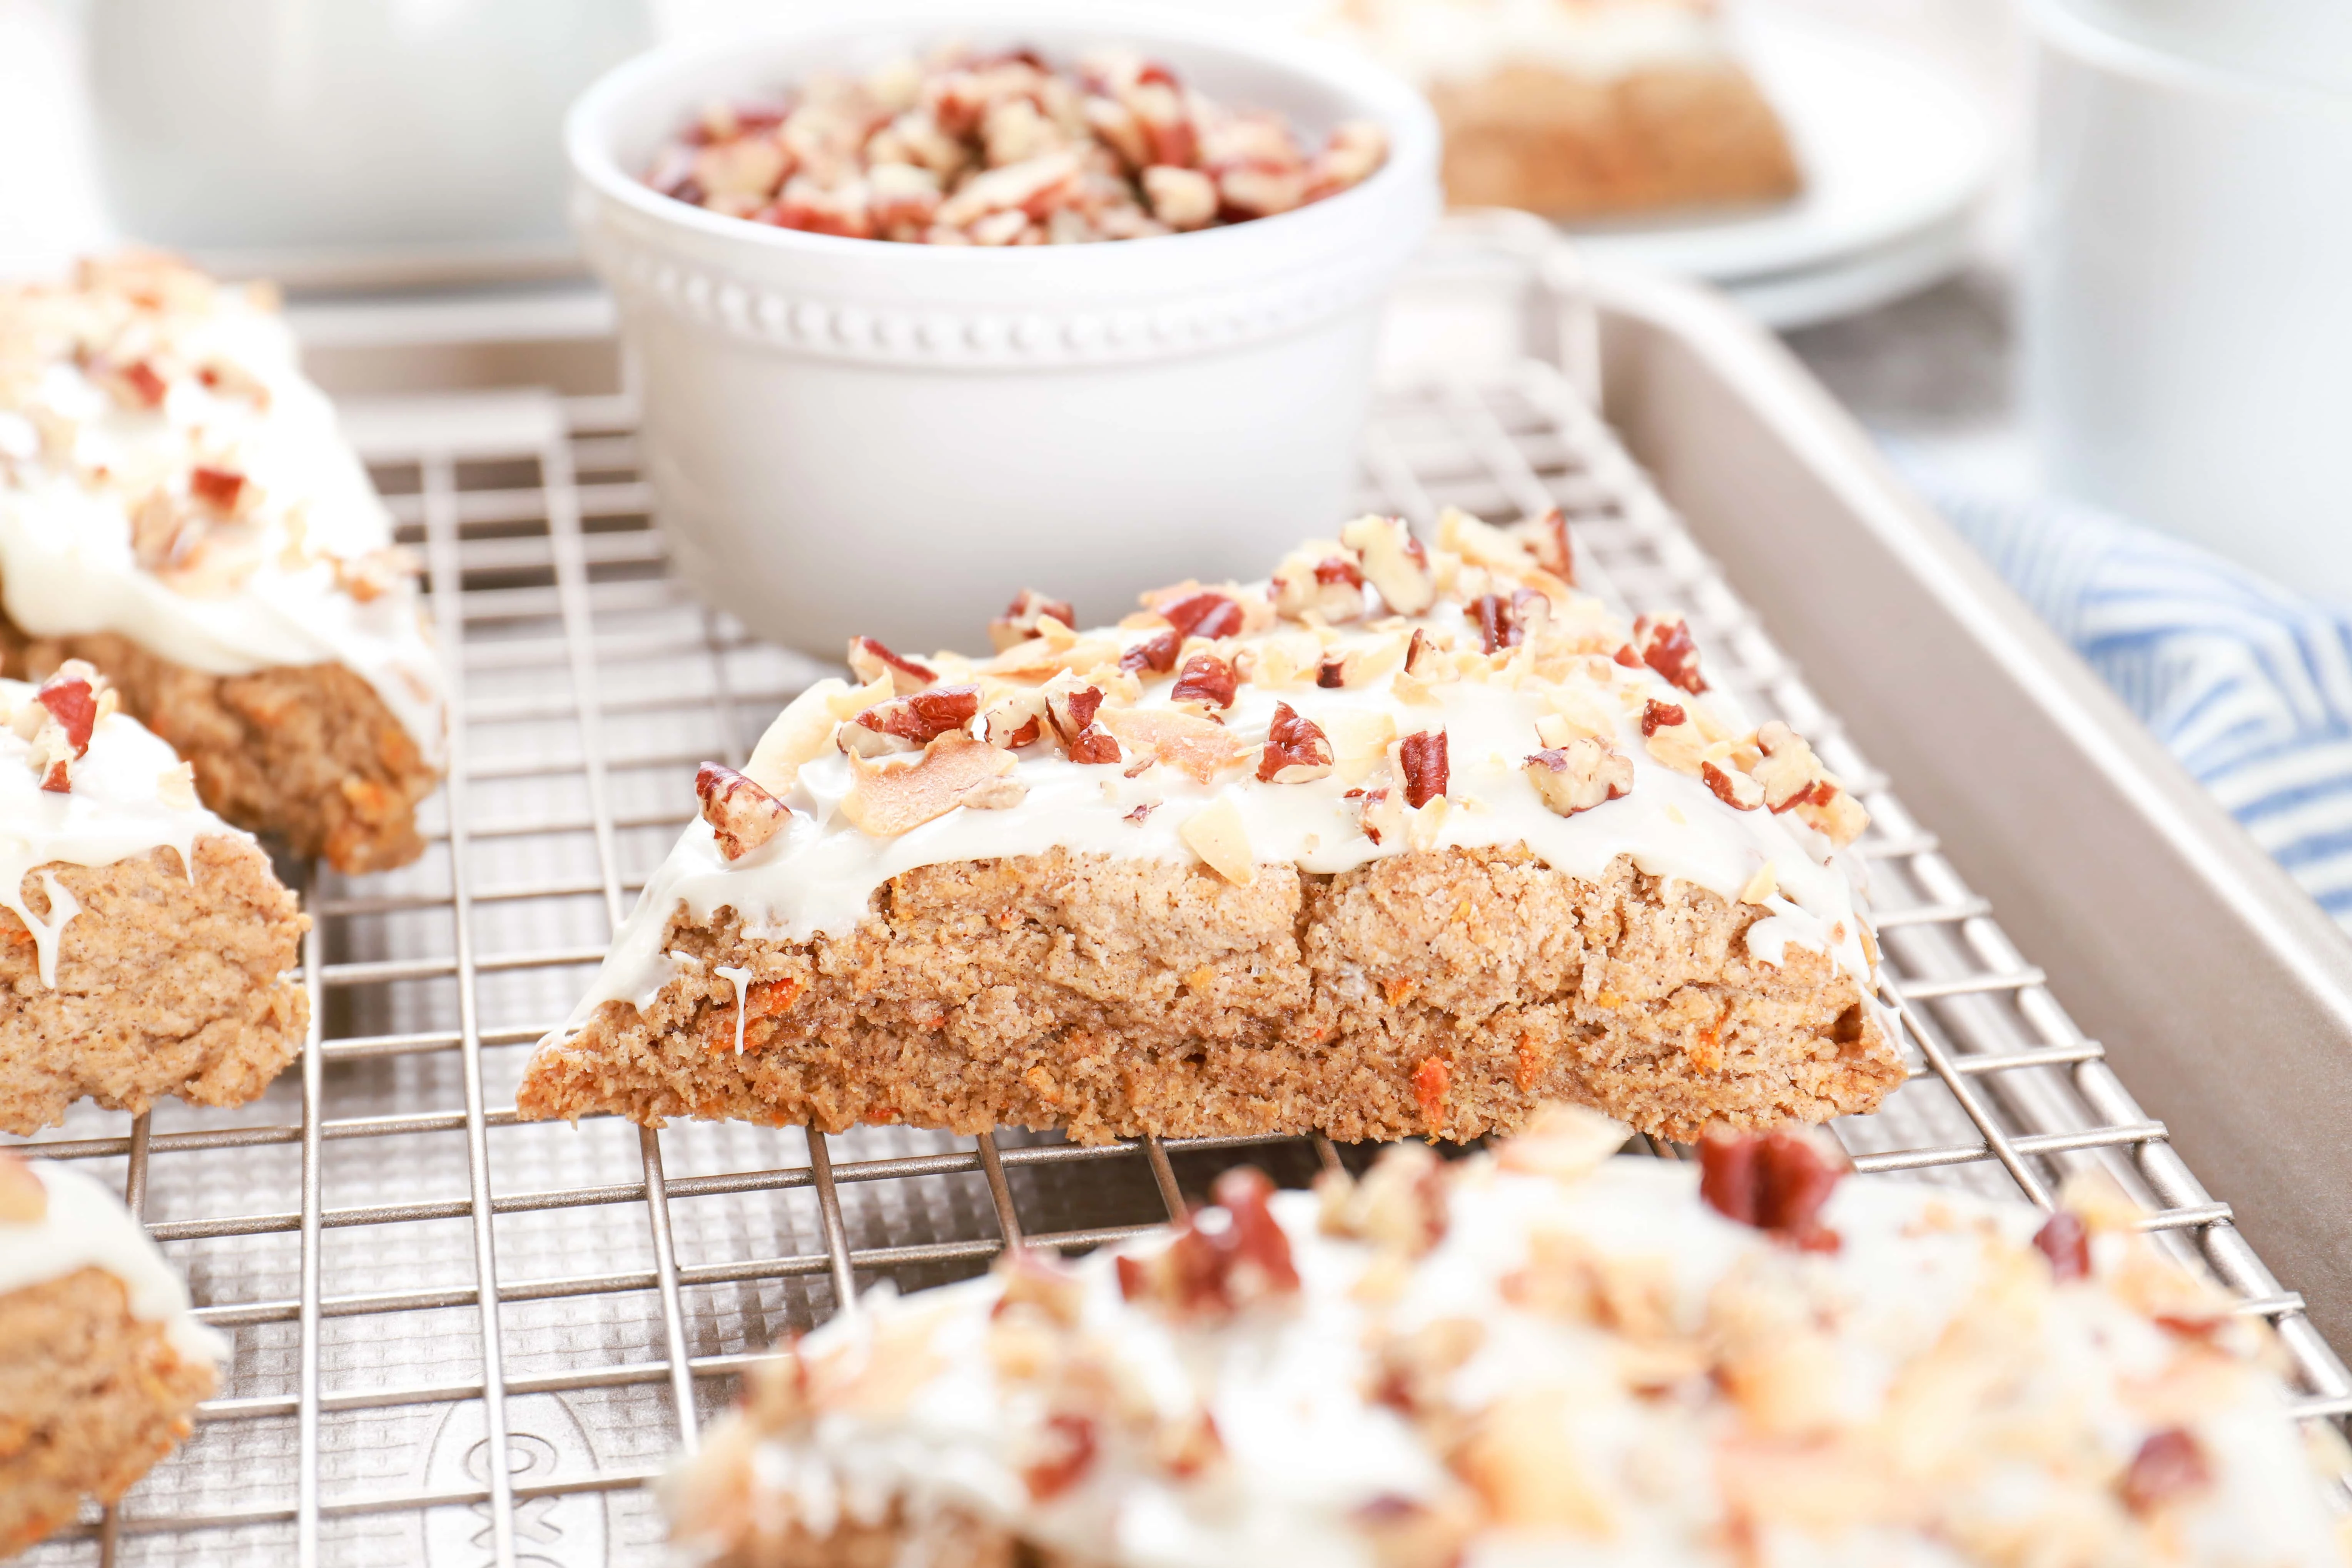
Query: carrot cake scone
point(1584, 109)
point(144, 943)
point(1542, 1356)
point(1407, 840)
point(101, 1365)
point(178, 508)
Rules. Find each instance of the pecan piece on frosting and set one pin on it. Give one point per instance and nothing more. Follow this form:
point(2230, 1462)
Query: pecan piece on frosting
point(1322, 579)
point(1664, 643)
point(911, 722)
point(1205, 684)
point(741, 815)
point(1793, 779)
point(1019, 622)
point(1297, 750)
point(870, 659)
point(1209, 1271)
point(1777, 1181)
point(1203, 614)
point(887, 799)
point(57, 725)
point(1731, 786)
point(1156, 653)
point(1072, 714)
point(1555, 549)
point(1421, 757)
point(1579, 776)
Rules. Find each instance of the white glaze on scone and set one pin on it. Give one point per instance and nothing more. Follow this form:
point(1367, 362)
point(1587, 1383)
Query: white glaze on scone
point(130, 793)
point(84, 1226)
point(818, 873)
point(1466, 41)
point(1533, 1359)
point(300, 574)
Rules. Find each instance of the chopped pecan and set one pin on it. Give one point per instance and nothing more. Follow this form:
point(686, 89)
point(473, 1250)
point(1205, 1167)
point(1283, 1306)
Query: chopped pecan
point(1422, 758)
point(1327, 584)
point(1072, 714)
point(1777, 1181)
point(870, 659)
point(163, 533)
point(2170, 1464)
point(1393, 562)
point(2065, 1241)
point(1555, 549)
point(1503, 623)
point(71, 697)
point(741, 815)
point(1422, 657)
point(1206, 681)
point(911, 722)
point(1029, 1278)
point(219, 489)
point(135, 385)
point(1380, 815)
point(1181, 198)
point(369, 577)
point(1223, 1259)
point(1068, 1443)
point(1019, 622)
point(1658, 716)
point(1733, 788)
point(1579, 776)
point(1203, 614)
point(1156, 653)
point(1296, 749)
point(1793, 779)
point(1664, 645)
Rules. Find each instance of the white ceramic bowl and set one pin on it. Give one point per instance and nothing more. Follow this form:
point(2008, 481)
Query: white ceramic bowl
point(856, 436)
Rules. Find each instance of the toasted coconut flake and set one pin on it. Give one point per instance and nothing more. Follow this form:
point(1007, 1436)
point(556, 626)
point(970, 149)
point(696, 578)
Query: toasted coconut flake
point(887, 799)
point(1215, 833)
point(1200, 748)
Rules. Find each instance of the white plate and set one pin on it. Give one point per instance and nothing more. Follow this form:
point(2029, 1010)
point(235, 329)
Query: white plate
point(1849, 285)
point(1892, 150)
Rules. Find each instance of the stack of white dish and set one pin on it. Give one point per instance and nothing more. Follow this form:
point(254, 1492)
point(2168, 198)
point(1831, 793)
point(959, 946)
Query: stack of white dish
point(1897, 158)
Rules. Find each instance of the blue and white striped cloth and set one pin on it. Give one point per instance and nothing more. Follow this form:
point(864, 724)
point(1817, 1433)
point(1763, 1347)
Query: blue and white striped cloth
point(2248, 685)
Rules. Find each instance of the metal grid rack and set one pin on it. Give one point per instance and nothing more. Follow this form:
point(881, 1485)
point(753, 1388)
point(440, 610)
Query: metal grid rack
point(413, 1279)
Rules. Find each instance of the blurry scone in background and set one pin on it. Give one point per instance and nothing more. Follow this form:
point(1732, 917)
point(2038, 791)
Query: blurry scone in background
point(1582, 109)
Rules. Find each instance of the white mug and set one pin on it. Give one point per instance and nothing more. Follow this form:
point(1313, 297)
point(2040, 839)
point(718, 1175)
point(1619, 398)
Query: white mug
point(2187, 323)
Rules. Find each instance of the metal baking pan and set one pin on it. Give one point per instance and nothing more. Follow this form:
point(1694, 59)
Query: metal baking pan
point(2222, 993)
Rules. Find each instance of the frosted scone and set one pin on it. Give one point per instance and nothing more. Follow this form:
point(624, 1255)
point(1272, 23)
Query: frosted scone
point(178, 508)
point(1584, 109)
point(1541, 1356)
point(100, 1363)
point(1405, 840)
point(144, 943)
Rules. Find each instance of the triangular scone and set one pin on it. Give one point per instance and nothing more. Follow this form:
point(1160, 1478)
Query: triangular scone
point(177, 507)
point(101, 1363)
point(144, 943)
point(1406, 840)
point(1583, 109)
point(1543, 1356)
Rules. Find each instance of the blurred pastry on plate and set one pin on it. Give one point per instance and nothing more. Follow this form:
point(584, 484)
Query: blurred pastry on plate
point(101, 1363)
point(178, 508)
point(1584, 109)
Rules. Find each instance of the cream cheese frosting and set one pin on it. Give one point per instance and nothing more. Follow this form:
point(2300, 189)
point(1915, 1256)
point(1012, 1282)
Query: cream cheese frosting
point(168, 474)
point(1468, 40)
point(130, 793)
point(84, 1226)
point(1547, 1356)
point(817, 874)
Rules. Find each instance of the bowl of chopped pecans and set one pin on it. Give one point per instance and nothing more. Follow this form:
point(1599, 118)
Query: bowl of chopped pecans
point(926, 308)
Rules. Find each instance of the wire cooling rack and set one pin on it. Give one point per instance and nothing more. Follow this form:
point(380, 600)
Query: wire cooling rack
point(415, 1281)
